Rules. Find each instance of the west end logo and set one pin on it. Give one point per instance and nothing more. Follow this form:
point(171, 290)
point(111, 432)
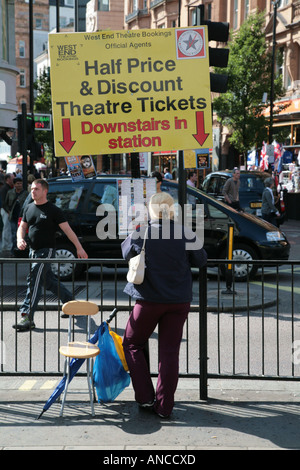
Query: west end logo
point(67, 52)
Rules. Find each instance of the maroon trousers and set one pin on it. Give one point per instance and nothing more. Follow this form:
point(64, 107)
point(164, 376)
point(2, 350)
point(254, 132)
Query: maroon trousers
point(170, 319)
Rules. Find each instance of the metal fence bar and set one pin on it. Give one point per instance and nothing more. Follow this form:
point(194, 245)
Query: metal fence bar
point(263, 324)
point(203, 332)
point(236, 348)
point(293, 317)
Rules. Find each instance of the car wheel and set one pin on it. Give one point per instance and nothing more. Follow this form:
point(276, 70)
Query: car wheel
point(242, 271)
point(65, 268)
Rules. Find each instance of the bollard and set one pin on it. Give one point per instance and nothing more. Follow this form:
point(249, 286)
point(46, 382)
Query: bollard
point(228, 274)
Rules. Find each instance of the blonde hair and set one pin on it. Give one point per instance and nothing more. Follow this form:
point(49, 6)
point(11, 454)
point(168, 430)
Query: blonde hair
point(161, 206)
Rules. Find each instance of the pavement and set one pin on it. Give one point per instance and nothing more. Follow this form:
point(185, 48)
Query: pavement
point(238, 415)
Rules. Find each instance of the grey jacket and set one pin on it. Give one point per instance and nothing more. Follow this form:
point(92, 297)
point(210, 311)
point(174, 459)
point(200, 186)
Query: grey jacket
point(12, 200)
point(267, 202)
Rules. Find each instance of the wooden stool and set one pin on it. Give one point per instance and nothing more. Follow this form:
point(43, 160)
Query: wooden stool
point(78, 349)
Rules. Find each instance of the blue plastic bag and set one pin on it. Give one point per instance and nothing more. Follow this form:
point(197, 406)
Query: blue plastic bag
point(109, 375)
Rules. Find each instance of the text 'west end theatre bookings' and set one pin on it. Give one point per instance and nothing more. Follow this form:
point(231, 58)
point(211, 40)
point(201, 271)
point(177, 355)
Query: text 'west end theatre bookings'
point(130, 91)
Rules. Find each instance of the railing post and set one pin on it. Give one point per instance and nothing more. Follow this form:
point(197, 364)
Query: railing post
point(203, 331)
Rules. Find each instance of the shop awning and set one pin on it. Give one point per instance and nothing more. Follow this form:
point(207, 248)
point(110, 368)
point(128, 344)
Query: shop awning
point(166, 152)
point(292, 106)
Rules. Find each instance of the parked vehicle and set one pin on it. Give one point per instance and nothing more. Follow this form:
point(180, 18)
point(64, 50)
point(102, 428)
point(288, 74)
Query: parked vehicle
point(254, 238)
point(251, 189)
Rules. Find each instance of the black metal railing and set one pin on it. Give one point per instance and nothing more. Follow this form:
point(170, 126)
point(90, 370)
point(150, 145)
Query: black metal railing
point(247, 330)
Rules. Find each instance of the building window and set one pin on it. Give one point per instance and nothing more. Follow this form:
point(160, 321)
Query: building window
point(247, 8)
point(38, 23)
point(209, 9)
point(22, 78)
point(64, 21)
point(103, 5)
point(283, 3)
point(21, 48)
point(2, 92)
point(235, 14)
point(288, 80)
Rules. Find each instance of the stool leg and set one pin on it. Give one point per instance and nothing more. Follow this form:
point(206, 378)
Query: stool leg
point(66, 387)
point(93, 385)
point(89, 380)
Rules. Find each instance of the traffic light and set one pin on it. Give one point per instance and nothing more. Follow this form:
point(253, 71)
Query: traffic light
point(218, 57)
point(36, 149)
point(29, 133)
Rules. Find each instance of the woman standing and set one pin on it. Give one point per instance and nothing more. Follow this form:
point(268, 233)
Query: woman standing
point(162, 299)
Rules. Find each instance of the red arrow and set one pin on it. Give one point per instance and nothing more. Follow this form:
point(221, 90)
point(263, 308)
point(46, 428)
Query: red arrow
point(201, 136)
point(67, 143)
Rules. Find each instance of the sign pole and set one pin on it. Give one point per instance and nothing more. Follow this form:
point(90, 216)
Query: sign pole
point(24, 144)
point(181, 183)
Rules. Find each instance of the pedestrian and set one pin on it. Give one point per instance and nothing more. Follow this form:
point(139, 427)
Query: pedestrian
point(231, 190)
point(30, 180)
point(14, 201)
point(158, 178)
point(269, 211)
point(162, 299)
point(167, 174)
point(192, 179)
point(42, 219)
point(6, 231)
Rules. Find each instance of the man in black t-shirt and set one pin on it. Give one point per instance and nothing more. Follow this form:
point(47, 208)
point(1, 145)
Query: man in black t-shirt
point(41, 219)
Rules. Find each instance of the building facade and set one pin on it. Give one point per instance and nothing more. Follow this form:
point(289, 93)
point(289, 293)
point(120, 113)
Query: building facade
point(40, 24)
point(104, 14)
point(288, 42)
point(8, 72)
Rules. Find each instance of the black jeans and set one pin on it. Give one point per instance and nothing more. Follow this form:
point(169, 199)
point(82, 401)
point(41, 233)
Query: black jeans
point(41, 275)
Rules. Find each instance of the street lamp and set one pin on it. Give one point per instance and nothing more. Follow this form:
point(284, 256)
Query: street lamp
point(275, 6)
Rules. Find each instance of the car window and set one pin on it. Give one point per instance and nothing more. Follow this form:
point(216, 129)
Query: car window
point(193, 198)
point(103, 193)
point(215, 213)
point(251, 183)
point(68, 197)
point(222, 181)
point(211, 185)
point(172, 190)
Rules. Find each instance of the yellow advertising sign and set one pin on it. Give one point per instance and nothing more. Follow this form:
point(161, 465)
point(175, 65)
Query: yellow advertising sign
point(130, 91)
point(189, 159)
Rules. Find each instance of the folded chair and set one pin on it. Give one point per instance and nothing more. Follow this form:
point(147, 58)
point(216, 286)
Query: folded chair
point(78, 349)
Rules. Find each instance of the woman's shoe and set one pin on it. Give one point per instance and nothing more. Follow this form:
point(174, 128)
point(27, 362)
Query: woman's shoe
point(146, 406)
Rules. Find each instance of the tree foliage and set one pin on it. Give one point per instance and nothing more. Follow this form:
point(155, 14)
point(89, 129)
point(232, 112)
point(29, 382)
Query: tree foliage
point(249, 70)
point(43, 105)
